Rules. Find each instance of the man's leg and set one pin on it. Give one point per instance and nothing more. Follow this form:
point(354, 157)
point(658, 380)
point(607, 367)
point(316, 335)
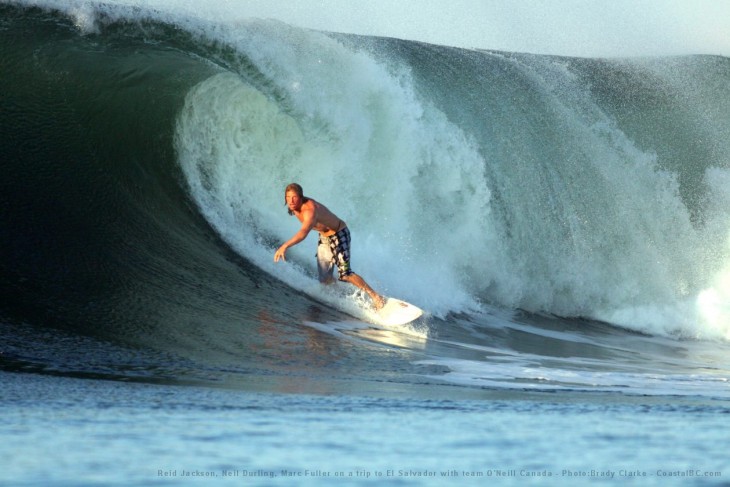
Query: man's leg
point(325, 263)
point(358, 281)
point(340, 247)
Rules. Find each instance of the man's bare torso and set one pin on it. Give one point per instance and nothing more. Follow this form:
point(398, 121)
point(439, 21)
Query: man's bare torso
point(325, 222)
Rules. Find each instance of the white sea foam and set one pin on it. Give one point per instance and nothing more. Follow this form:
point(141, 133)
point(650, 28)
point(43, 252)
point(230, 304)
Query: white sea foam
point(583, 217)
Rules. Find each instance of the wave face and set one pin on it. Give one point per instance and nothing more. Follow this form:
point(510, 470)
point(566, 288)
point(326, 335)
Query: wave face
point(145, 156)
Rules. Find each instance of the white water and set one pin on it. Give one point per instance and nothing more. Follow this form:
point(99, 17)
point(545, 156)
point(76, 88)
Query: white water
point(362, 145)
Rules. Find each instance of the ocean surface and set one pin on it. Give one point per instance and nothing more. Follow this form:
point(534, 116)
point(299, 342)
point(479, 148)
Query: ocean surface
point(564, 223)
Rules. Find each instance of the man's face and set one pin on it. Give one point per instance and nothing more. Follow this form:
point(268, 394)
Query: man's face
point(293, 201)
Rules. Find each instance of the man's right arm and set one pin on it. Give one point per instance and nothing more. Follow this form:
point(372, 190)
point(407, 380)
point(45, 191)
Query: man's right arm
point(308, 221)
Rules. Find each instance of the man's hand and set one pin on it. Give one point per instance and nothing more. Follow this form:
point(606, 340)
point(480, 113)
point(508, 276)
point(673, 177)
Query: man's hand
point(280, 254)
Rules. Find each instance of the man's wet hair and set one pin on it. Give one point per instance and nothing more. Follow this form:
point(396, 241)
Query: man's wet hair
point(298, 190)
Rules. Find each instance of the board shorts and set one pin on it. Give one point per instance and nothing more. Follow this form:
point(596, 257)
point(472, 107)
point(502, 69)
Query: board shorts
point(334, 251)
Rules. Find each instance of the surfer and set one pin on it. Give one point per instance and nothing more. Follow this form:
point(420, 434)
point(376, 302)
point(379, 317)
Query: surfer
point(334, 240)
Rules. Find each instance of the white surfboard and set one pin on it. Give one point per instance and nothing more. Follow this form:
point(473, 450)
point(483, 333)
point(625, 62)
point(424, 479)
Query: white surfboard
point(397, 312)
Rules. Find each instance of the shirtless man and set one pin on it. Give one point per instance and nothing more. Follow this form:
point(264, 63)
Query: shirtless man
point(334, 240)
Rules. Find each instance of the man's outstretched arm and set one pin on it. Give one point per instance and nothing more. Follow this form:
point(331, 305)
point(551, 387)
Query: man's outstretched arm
point(308, 222)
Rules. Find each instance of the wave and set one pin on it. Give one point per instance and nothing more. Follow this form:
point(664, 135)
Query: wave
point(145, 155)
point(523, 181)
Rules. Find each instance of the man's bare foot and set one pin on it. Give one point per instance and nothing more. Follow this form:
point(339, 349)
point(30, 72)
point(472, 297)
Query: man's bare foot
point(378, 302)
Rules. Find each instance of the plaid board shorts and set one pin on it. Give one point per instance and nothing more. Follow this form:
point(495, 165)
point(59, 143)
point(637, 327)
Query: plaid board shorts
point(331, 251)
